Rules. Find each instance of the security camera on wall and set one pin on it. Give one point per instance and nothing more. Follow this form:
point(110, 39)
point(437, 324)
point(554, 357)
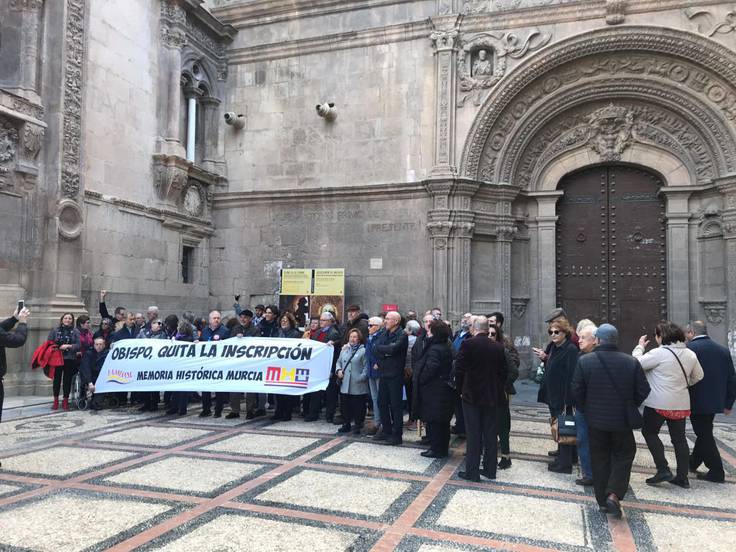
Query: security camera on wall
point(236, 121)
point(327, 110)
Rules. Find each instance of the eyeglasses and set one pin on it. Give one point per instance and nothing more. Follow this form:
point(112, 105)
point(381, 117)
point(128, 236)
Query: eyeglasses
point(373, 325)
point(554, 332)
point(492, 334)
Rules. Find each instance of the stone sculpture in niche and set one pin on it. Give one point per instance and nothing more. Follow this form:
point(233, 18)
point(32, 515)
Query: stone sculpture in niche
point(482, 60)
point(482, 66)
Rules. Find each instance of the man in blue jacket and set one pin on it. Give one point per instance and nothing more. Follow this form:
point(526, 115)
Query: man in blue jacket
point(714, 394)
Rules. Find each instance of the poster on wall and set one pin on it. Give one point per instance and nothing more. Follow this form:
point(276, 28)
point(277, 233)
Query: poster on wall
point(306, 291)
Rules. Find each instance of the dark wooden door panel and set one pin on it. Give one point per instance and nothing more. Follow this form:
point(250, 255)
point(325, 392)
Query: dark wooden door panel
point(611, 264)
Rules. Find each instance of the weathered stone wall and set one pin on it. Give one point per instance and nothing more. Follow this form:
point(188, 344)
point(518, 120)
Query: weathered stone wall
point(257, 238)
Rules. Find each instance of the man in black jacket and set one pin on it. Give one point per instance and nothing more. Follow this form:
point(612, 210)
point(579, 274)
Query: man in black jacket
point(712, 395)
point(480, 376)
point(13, 339)
point(390, 352)
point(604, 385)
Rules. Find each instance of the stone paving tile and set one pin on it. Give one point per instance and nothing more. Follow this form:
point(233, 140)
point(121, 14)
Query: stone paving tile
point(63, 461)
point(339, 493)
point(153, 436)
point(701, 493)
point(71, 521)
point(476, 511)
point(63, 425)
point(194, 420)
point(526, 426)
point(413, 543)
point(532, 445)
point(535, 474)
point(675, 534)
point(228, 531)
point(380, 456)
point(262, 444)
point(6, 489)
point(300, 426)
point(186, 475)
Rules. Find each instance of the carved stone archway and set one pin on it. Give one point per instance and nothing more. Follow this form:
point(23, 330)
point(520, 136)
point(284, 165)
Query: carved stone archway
point(662, 99)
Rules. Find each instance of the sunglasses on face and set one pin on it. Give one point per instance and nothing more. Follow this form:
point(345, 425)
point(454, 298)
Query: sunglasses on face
point(492, 334)
point(554, 332)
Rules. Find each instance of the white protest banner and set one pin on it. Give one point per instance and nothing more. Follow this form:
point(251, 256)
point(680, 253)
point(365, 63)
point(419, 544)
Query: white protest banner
point(238, 365)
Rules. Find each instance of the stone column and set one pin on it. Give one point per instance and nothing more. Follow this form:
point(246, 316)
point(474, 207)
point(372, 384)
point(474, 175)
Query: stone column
point(546, 220)
point(173, 38)
point(30, 39)
point(439, 233)
point(210, 144)
point(444, 39)
point(678, 253)
point(727, 188)
point(504, 237)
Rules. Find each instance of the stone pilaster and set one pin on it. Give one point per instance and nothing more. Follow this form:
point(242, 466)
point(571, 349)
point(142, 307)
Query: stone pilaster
point(678, 253)
point(31, 22)
point(727, 188)
point(173, 39)
point(444, 42)
point(546, 222)
point(451, 226)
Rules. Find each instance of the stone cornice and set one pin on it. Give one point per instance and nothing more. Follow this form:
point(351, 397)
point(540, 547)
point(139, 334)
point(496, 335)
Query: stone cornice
point(205, 19)
point(327, 43)
point(376, 192)
point(162, 215)
point(594, 9)
point(264, 12)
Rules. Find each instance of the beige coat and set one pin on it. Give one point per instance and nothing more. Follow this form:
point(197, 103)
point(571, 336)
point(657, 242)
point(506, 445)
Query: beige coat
point(665, 377)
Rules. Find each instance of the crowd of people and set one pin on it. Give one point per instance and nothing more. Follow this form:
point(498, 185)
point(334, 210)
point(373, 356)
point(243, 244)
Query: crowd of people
point(393, 373)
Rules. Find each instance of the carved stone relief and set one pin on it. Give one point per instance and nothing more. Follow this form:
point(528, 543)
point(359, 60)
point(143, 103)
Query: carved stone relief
point(518, 306)
point(193, 199)
point(609, 131)
point(170, 176)
point(482, 60)
point(708, 24)
point(26, 4)
point(32, 139)
point(74, 63)
point(639, 124)
point(657, 72)
point(615, 11)
point(715, 311)
point(8, 148)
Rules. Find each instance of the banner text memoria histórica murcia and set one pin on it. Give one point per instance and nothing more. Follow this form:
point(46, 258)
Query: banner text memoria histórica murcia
point(237, 365)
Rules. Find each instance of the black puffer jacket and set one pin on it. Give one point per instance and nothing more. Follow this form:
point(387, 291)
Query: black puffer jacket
point(603, 402)
point(10, 338)
point(434, 399)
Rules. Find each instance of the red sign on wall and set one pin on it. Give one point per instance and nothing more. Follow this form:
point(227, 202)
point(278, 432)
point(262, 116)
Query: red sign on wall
point(386, 307)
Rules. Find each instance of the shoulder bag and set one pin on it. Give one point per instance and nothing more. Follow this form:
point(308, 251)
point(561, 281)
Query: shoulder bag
point(631, 411)
point(687, 381)
point(563, 427)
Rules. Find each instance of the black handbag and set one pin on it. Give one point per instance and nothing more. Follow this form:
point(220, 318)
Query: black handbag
point(634, 419)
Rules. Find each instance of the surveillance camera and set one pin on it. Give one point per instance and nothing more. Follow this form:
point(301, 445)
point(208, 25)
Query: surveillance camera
point(327, 111)
point(237, 121)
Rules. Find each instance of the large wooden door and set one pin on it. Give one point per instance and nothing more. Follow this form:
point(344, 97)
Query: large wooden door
point(611, 264)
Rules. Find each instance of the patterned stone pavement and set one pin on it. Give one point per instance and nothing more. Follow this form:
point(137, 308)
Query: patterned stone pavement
point(118, 480)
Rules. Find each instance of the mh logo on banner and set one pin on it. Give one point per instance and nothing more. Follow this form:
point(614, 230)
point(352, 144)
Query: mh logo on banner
point(277, 376)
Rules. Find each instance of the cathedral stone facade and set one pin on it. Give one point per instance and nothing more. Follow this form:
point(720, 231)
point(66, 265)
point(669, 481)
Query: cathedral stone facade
point(478, 155)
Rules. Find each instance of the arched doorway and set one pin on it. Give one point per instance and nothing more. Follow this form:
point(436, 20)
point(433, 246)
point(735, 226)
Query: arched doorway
point(611, 261)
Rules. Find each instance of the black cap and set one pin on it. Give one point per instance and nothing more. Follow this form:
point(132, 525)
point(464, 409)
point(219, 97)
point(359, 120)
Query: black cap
point(246, 312)
point(559, 312)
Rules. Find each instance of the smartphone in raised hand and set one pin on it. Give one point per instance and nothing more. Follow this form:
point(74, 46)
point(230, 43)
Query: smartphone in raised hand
point(21, 305)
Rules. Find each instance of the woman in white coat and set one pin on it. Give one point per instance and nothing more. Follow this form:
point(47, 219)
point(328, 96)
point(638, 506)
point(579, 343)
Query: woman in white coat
point(671, 369)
